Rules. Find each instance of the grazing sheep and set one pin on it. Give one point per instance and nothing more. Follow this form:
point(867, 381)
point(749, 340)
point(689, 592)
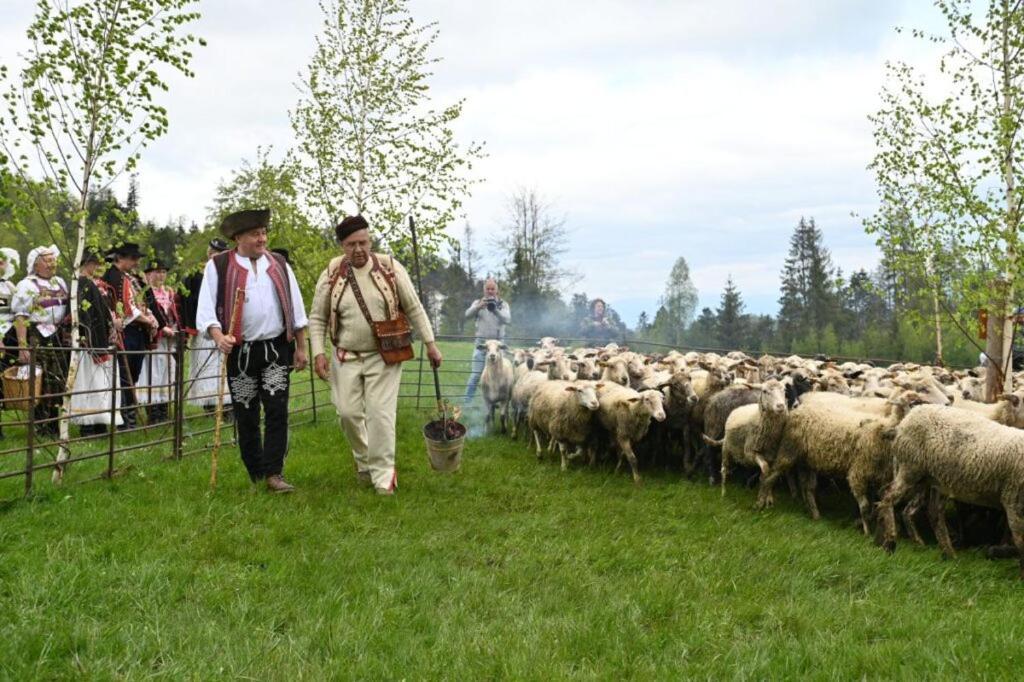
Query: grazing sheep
point(496, 381)
point(563, 412)
point(961, 455)
point(626, 415)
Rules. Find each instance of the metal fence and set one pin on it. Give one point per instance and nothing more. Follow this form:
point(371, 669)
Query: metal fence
point(168, 421)
point(178, 428)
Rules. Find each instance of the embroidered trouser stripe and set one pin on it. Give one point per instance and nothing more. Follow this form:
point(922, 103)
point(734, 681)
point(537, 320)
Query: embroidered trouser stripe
point(258, 377)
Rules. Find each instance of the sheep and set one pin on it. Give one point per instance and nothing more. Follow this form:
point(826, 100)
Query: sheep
point(751, 430)
point(1008, 409)
point(972, 388)
point(962, 455)
point(615, 370)
point(716, 412)
point(525, 386)
point(825, 437)
point(706, 383)
point(496, 381)
point(563, 412)
point(626, 415)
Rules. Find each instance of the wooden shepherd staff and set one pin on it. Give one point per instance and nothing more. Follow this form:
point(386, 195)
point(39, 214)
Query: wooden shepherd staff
point(236, 309)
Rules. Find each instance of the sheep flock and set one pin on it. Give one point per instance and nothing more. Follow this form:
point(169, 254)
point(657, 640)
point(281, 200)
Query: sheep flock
point(907, 437)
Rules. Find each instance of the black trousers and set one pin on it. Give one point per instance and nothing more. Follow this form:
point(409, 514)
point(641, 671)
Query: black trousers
point(129, 371)
point(259, 378)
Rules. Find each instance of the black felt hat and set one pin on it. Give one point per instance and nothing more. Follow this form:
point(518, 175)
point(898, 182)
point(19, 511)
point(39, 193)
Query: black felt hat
point(243, 221)
point(283, 253)
point(218, 245)
point(156, 264)
point(352, 223)
point(90, 256)
point(127, 250)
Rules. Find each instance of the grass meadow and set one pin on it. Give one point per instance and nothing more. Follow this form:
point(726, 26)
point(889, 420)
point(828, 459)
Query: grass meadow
point(508, 569)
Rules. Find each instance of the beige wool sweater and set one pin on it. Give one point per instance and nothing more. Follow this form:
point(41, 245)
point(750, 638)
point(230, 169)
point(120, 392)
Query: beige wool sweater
point(353, 332)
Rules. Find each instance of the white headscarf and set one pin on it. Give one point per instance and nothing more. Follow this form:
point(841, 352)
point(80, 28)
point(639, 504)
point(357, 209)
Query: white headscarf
point(30, 262)
point(13, 259)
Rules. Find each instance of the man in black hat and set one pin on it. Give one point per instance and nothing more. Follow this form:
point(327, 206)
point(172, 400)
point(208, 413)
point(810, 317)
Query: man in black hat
point(136, 321)
point(204, 358)
point(259, 347)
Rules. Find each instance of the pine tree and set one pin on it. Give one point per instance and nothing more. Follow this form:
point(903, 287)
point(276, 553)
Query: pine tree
point(808, 302)
point(642, 323)
point(704, 330)
point(730, 322)
point(680, 299)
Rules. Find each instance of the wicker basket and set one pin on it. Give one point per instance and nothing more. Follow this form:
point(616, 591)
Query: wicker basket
point(445, 455)
point(17, 391)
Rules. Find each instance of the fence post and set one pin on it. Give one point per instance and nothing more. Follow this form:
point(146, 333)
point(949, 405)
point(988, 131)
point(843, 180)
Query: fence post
point(30, 452)
point(419, 377)
point(312, 375)
point(179, 392)
point(115, 386)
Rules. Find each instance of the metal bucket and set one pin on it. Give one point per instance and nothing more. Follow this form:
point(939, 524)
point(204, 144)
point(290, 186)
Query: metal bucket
point(445, 455)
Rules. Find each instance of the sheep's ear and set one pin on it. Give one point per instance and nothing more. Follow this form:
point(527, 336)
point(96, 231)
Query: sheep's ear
point(632, 400)
point(481, 346)
point(502, 346)
point(571, 388)
point(1013, 398)
point(602, 363)
point(529, 363)
point(599, 385)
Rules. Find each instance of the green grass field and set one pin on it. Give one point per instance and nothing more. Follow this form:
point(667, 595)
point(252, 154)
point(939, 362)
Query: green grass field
point(508, 569)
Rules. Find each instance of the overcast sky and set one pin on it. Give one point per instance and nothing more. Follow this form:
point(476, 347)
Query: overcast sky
point(658, 128)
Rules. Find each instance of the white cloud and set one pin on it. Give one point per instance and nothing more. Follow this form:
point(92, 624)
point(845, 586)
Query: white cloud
point(659, 128)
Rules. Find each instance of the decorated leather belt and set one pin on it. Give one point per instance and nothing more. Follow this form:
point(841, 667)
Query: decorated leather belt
point(52, 302)
point(345, 355)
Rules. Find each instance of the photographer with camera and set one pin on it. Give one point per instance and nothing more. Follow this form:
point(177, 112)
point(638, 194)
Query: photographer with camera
point(492, 315)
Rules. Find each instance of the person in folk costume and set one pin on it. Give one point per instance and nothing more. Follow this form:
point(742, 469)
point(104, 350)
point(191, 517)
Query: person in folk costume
point(155, 385)
point(91, 394)
point(364, 389)
point(204, 356)
point(259, 346)
point(9, 260)
point(136, 322)
point(40, 308)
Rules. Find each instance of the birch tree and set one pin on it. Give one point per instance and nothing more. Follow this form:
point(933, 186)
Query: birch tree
point(947, 164)
point(84, 104)
point(368, 138)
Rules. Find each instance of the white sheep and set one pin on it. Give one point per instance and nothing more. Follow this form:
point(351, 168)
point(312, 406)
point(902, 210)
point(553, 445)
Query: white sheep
point(751, 430)
point(830, 438)
point(961, 455)
point(626, 415)
point(1008, 409)
point(496, 381)
point(562, 411)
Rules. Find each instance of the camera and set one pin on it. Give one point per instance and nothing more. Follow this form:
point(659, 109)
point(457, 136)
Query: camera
point(492, 304)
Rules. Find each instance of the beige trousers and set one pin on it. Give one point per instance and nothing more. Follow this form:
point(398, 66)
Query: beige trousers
point(364, 391)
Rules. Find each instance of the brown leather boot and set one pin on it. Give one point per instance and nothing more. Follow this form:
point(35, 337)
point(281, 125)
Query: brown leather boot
point(277, 484)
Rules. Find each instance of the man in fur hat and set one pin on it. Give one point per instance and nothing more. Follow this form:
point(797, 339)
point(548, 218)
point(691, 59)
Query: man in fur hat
point(40, 308)
point(268, 338)
point(364, 388)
